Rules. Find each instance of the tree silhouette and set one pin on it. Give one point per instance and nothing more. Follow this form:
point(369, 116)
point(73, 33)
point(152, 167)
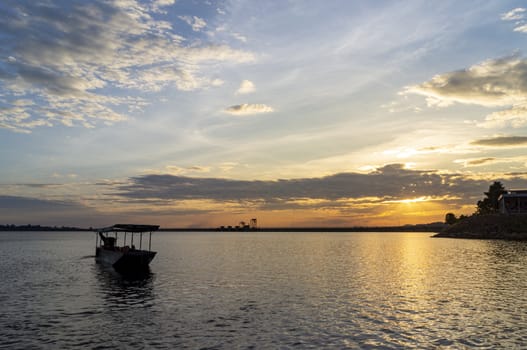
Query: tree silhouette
point(450, 218)
point(489, 205)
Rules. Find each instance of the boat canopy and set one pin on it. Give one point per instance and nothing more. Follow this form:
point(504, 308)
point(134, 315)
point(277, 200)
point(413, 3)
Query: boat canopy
point(128, 228)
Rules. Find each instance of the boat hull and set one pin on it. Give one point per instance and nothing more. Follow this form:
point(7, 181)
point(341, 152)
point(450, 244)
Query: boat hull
point(133, 260)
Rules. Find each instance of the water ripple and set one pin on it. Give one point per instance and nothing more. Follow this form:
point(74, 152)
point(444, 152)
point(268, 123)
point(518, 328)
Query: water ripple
point(253, 290)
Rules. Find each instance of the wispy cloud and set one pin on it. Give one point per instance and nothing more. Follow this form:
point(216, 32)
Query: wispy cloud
point(514, 15)
point(492, 83)
point(239, 37)
point(502, 141)
point(521, 28)
point(477, 161)
point(195, 22)
point(84, 63)
point(518, 16)
point(407, 152)
point(176, 170)
point(248, 109)
point(246, 87)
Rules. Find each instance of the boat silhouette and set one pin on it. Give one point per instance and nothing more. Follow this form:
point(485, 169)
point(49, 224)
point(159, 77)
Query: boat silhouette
point(125, 257)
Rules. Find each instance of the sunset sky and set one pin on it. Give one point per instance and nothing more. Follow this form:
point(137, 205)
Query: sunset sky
point(297, 113)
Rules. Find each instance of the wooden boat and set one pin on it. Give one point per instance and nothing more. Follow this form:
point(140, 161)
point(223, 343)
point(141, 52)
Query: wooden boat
point(125, 257)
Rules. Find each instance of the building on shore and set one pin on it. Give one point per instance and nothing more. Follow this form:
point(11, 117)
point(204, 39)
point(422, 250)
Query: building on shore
point(513, 202)
point(252, 226)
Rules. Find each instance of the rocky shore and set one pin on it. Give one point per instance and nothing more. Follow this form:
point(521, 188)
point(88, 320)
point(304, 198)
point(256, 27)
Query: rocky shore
point(496, 226)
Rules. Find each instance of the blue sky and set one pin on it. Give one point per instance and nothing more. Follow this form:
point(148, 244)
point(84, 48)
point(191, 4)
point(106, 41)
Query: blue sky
point(193, 113)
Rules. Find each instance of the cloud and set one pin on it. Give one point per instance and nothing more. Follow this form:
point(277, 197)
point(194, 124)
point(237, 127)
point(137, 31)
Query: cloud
point(247, 109)
point(157, 5)
point(477, 161)
point(522, 28)
point(162, 3)
point(514, 15)
point(365, 197)
point(474, 162)
point(246, 87)
point(408, 152)
point(385, 195)
point(517, 15)
point(14, 202)
point(515, 117)
point(46, 212)
point(195, 22)
point(391, 182)
point(173, 169)
point(493, 83)
point(84, 63)
point(501, 141)
point(239, 37)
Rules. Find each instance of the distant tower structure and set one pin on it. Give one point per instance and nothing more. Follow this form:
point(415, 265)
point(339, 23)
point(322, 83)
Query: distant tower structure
point(254, 226)
point(243, 226)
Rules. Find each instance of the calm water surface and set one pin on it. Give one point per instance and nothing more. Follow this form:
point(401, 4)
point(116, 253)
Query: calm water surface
point(265, 290)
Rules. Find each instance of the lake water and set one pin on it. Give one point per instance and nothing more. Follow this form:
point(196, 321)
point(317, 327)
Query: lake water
point(265, 291)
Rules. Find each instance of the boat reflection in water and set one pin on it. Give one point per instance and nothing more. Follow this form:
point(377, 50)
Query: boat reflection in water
point(124, 258)
point(120, 297)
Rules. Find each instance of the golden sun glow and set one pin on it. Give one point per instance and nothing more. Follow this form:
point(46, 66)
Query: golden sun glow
point(412, 200)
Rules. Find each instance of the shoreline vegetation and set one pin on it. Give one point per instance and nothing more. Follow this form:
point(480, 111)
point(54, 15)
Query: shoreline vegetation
point(490, 226)
point(488, 221)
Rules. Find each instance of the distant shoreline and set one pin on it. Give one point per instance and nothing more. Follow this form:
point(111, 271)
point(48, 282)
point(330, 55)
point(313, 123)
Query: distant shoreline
point(412, 228)
point(37, 228)
point(435, 227)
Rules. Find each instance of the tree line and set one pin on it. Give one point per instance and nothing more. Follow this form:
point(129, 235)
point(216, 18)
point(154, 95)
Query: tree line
point(30, 227)
point(488, 205)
